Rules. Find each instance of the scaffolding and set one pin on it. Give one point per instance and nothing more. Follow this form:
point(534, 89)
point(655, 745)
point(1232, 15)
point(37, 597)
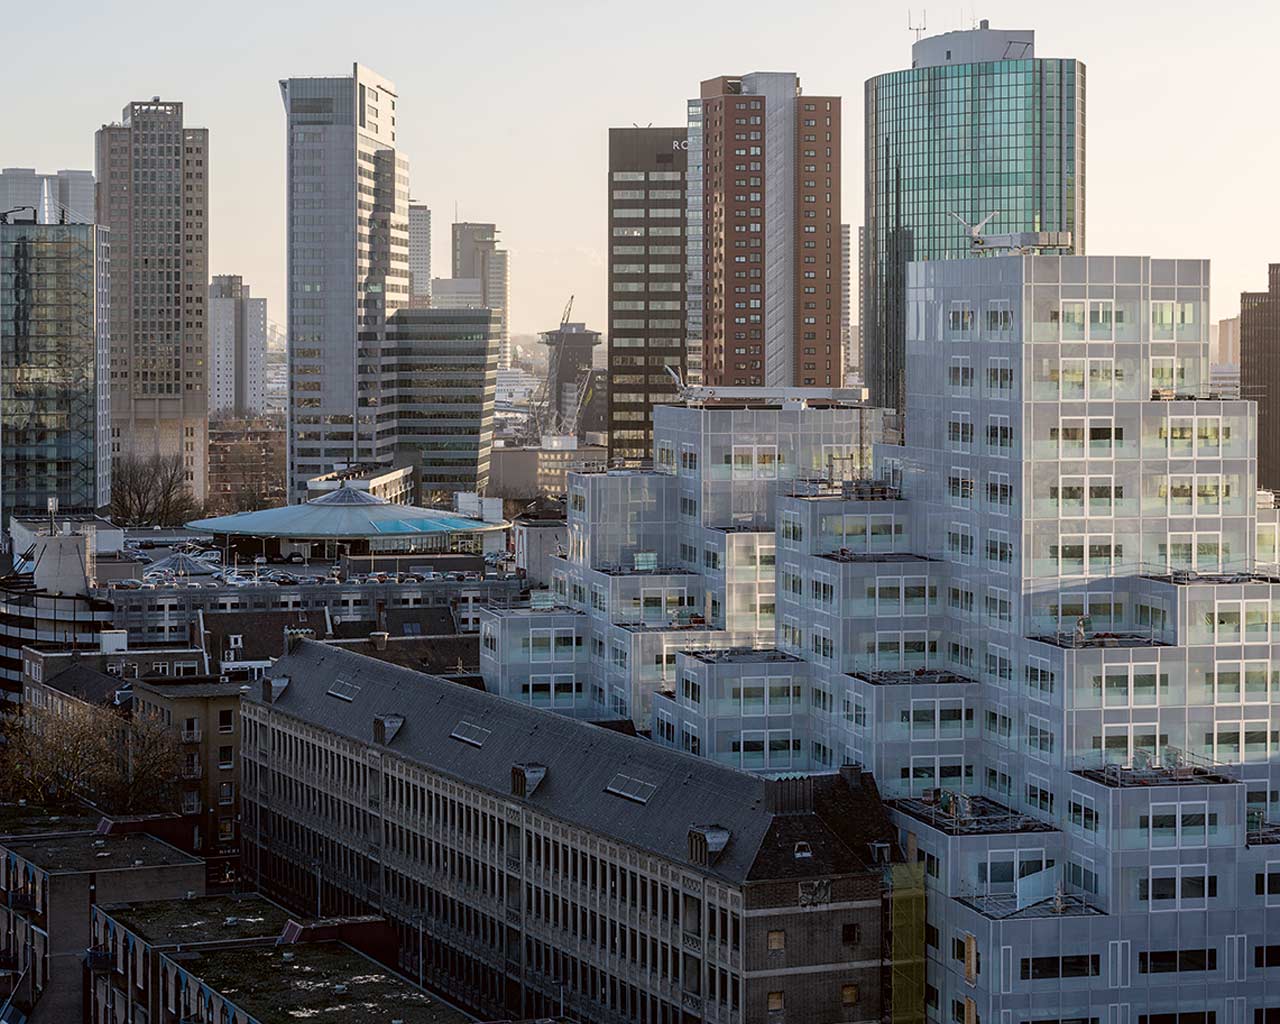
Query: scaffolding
point(906, 918)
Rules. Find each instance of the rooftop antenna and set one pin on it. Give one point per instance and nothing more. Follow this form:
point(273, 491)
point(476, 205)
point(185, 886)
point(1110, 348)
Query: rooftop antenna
point(920, 29)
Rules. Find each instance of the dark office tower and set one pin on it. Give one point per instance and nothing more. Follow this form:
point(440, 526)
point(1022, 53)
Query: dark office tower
point(569, 355)
point(764, 180)
point(476, 257)
point(54, 407)
point(153, 193)
point(978, 125)
point(440, 373)
point(647, 328)
point(1260, 371)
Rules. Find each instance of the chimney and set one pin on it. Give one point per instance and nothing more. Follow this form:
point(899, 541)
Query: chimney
point(852, 775)
point(379, 640)
point(790, 796)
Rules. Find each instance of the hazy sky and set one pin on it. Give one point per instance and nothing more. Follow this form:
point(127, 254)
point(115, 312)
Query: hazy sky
point(504, 109)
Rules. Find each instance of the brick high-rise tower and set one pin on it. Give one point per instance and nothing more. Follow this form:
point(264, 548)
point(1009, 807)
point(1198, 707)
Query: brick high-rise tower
point(764, 196)
point(153, 193)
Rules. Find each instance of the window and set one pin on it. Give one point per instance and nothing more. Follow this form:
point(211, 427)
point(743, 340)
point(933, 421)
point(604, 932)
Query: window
point(226, 720)
point(1189, 1017)
point(1178, 887)
point(226, 792)
point(775, 1003)
point(1263, 956)
point(777, 941)
point(1267, 883)
point(960, 319)
point(1080, 965)
point(1168, 961)
point(851, 934)
point(225, 757)
point(848, 995)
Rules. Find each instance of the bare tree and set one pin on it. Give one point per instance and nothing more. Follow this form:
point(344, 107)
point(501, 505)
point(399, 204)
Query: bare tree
point(125, 766)
point(52, 758)
point(146, 781)
point(151, 491)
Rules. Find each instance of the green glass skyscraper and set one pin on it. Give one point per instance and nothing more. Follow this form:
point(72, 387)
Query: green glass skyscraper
point(977, 125)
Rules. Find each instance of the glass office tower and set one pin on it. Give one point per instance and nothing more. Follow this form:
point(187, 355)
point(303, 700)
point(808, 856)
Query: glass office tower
point(54, 397)
point(978, 125)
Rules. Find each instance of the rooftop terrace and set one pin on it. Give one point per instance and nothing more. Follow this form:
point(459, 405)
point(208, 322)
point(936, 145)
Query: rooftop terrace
point(844, 490)
point(958, 814)
point(1170, 767)
point(742, 655)
point(1079, 641)
point(1004, 907)
point(1188, 577)
point(320, 981)
point(78, 852)
point(911, 677)
point(846, 556)
point(205, 919)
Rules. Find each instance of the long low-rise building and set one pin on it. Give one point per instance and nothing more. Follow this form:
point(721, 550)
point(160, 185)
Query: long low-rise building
point(526, 857)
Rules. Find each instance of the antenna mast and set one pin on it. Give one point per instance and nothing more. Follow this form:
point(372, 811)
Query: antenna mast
point(918, 29)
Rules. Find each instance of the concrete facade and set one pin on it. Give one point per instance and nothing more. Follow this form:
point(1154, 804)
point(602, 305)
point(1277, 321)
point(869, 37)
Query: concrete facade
point(153, 194)
point(764, 213)
point(237, 349)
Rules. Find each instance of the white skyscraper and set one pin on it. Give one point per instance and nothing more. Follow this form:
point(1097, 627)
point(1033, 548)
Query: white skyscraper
point(348, 266)
point(419, 254)
point(237, 349)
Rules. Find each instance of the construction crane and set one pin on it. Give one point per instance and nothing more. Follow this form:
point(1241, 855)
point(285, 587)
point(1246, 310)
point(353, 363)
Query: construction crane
point(544, 407)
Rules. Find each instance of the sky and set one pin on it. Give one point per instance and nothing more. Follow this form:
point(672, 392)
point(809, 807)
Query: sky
point(504, 110)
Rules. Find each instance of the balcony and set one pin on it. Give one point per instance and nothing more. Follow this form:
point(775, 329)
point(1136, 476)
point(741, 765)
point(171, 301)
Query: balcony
point(97, 960)
point(191, 771)
point(192, 735)
point(23, 901)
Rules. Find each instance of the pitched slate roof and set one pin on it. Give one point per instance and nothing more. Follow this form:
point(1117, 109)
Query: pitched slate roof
point(87, 684)
point(582, 761)
point(261, 631)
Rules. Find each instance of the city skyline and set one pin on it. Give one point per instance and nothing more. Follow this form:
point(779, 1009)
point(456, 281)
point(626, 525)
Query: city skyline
point(553, 213)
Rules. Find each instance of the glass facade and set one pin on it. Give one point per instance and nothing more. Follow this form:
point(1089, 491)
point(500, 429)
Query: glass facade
point(348, 261)
point(971, 139)
point(54, 431)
